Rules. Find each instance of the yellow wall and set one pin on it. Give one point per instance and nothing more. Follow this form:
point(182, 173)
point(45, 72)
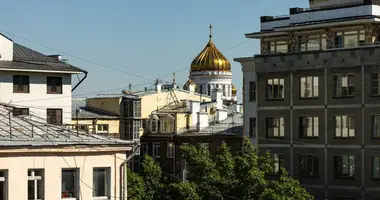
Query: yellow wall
point(113, 124)
point(150, 103)
point(111, 104)
point(181, 121)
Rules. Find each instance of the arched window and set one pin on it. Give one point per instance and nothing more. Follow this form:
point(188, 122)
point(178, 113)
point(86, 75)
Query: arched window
point(154, 124)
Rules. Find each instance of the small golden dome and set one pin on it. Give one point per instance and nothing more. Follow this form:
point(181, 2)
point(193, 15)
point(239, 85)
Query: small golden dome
point(210, 59)
point(233, 90)
point(188, 83)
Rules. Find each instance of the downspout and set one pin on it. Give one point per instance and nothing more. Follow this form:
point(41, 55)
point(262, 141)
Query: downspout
point(85, 76)
point(124, 167)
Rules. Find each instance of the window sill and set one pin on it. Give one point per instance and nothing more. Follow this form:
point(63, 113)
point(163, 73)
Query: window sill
point(311, 176)
point(306, 138)
point(344, 138)
point(21, 92)
point(68, 198)
point(345, 177)
point(282, 99)
point(100, 198)
point(53, 93)
point(308, 98)
point(271, 137)
point(344, 97)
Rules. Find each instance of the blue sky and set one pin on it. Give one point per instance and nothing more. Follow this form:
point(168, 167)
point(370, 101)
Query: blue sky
point(149, 38)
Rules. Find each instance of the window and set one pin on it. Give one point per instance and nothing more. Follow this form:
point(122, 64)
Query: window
point(375, 84)
point(252, 91)
point(171, 150)
point(275, 88)
point(20, 84)
point(185, 169)
point(103, 128)
point(376, 167)
point(252, 127)
point(344, 85)
point(308, 165)
point(275, 127)
point(136, 129)
point(54, 116)
point(54, 85)
point(132, 129)
point(137, 108)
point(3, 185)
point(349, 39)
point(204, 145)
point(344, 126)
point(101, 182)
point(70, 184)
point(278, 163)
point(144, 148)
point(312, 42)
point(278, 46)
point(375, 126)
point(344, 166)
point(20, 111)
point(154, 126)
point(128, 108)
point(167, 125)
point(156, 149)
point(309, 126)
point(309, 87)
point(35, 185)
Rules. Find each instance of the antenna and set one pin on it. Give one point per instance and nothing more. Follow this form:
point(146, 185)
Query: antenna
point(130, 87)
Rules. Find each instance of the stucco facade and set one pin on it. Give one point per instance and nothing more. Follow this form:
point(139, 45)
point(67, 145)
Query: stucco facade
point(16, 166)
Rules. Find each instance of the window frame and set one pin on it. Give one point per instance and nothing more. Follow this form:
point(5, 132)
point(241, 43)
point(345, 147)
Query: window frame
point(76, 183)
point(278, 162)
point(303, 131)
point(349, 119)
point(144, 148)
point(314, 172)
point(20, 81)
point(156, 149)
point(377, 177)
point(337, 78)
point(107, 184)
point(170, 150)
point(184, 169)
point(270, 95)
point(4, 180)
point(311, 89)
point(338, 169)
point(252, 127)
point(375, 86)
point(252, 91)
point(36, 180)
point(57, 122)
point(375, 118)
point(54, 85)
point(20, 112)
point(102, 129)
point(277, 119)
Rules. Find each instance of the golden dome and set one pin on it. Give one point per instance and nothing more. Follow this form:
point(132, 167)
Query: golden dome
point(189, 82)
point(210, 59)
point(233, 90)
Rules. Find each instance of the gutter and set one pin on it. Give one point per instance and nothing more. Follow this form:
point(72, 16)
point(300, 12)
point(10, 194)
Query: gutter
point(124, 165)
point(85, 76)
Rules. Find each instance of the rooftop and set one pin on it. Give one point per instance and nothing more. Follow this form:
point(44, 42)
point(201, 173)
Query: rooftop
point(32, 131)
point(89, 113)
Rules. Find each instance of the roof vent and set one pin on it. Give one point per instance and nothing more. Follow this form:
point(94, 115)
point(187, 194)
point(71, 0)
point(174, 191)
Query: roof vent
point(57, 57)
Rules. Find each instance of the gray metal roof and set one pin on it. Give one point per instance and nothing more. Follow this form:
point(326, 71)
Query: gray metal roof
point(28, 59)
point(33, 131)
point(89, 113)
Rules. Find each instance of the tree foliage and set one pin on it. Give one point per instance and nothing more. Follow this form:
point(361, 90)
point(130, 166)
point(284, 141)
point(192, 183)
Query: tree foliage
point(223, 176)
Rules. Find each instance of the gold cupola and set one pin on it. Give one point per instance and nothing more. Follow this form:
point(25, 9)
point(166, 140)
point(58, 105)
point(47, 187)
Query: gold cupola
point(210, 59)
point(233, 90)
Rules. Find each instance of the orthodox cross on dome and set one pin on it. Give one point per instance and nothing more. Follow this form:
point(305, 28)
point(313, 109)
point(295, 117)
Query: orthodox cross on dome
point(210, 27)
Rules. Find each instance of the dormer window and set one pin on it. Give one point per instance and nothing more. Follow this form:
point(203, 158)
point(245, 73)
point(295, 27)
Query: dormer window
point(154, 124)
point(167, 124)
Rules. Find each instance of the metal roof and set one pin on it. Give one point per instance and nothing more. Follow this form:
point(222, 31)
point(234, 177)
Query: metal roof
point(32, 130)
point(27, 59)
point(88, 113)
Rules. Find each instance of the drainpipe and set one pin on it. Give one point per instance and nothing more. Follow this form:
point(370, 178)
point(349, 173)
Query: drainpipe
point(124, 165)
point(85, 76)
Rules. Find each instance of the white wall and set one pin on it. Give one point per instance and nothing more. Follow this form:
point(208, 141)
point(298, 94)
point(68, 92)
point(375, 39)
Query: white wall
point(6, 48)
point(18, 170)
point(37, 100)
point(249, 108)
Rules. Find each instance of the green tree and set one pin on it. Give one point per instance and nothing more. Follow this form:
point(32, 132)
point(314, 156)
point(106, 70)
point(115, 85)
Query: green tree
point(183, 191)
point(136, 186)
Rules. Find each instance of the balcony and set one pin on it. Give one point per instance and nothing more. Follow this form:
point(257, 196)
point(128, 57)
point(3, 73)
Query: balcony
point(368, 55)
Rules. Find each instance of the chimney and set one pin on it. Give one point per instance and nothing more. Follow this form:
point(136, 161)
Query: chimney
point(191, 88)
point(202, 120)
point(158, 85)
point(216, 97)
point(194, 107)
point(56, 57)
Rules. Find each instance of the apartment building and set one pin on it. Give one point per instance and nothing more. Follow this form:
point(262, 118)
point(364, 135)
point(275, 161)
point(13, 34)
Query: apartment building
point(311, 97)
point(36, 83)
point(44, 161)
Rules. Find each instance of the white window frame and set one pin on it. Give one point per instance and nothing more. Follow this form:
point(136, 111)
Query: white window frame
point(184, 169)
point(108, 183)
point(101, 130)
point(171, 125)
point(4, 179)
point(155, 122)
point(170, 150)
point(35, 180)
point(76, 183)
point(156, 152)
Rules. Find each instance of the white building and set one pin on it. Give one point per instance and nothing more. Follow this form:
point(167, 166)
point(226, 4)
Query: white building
point(211, 70)
point(44, 161)
point(36, 83)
